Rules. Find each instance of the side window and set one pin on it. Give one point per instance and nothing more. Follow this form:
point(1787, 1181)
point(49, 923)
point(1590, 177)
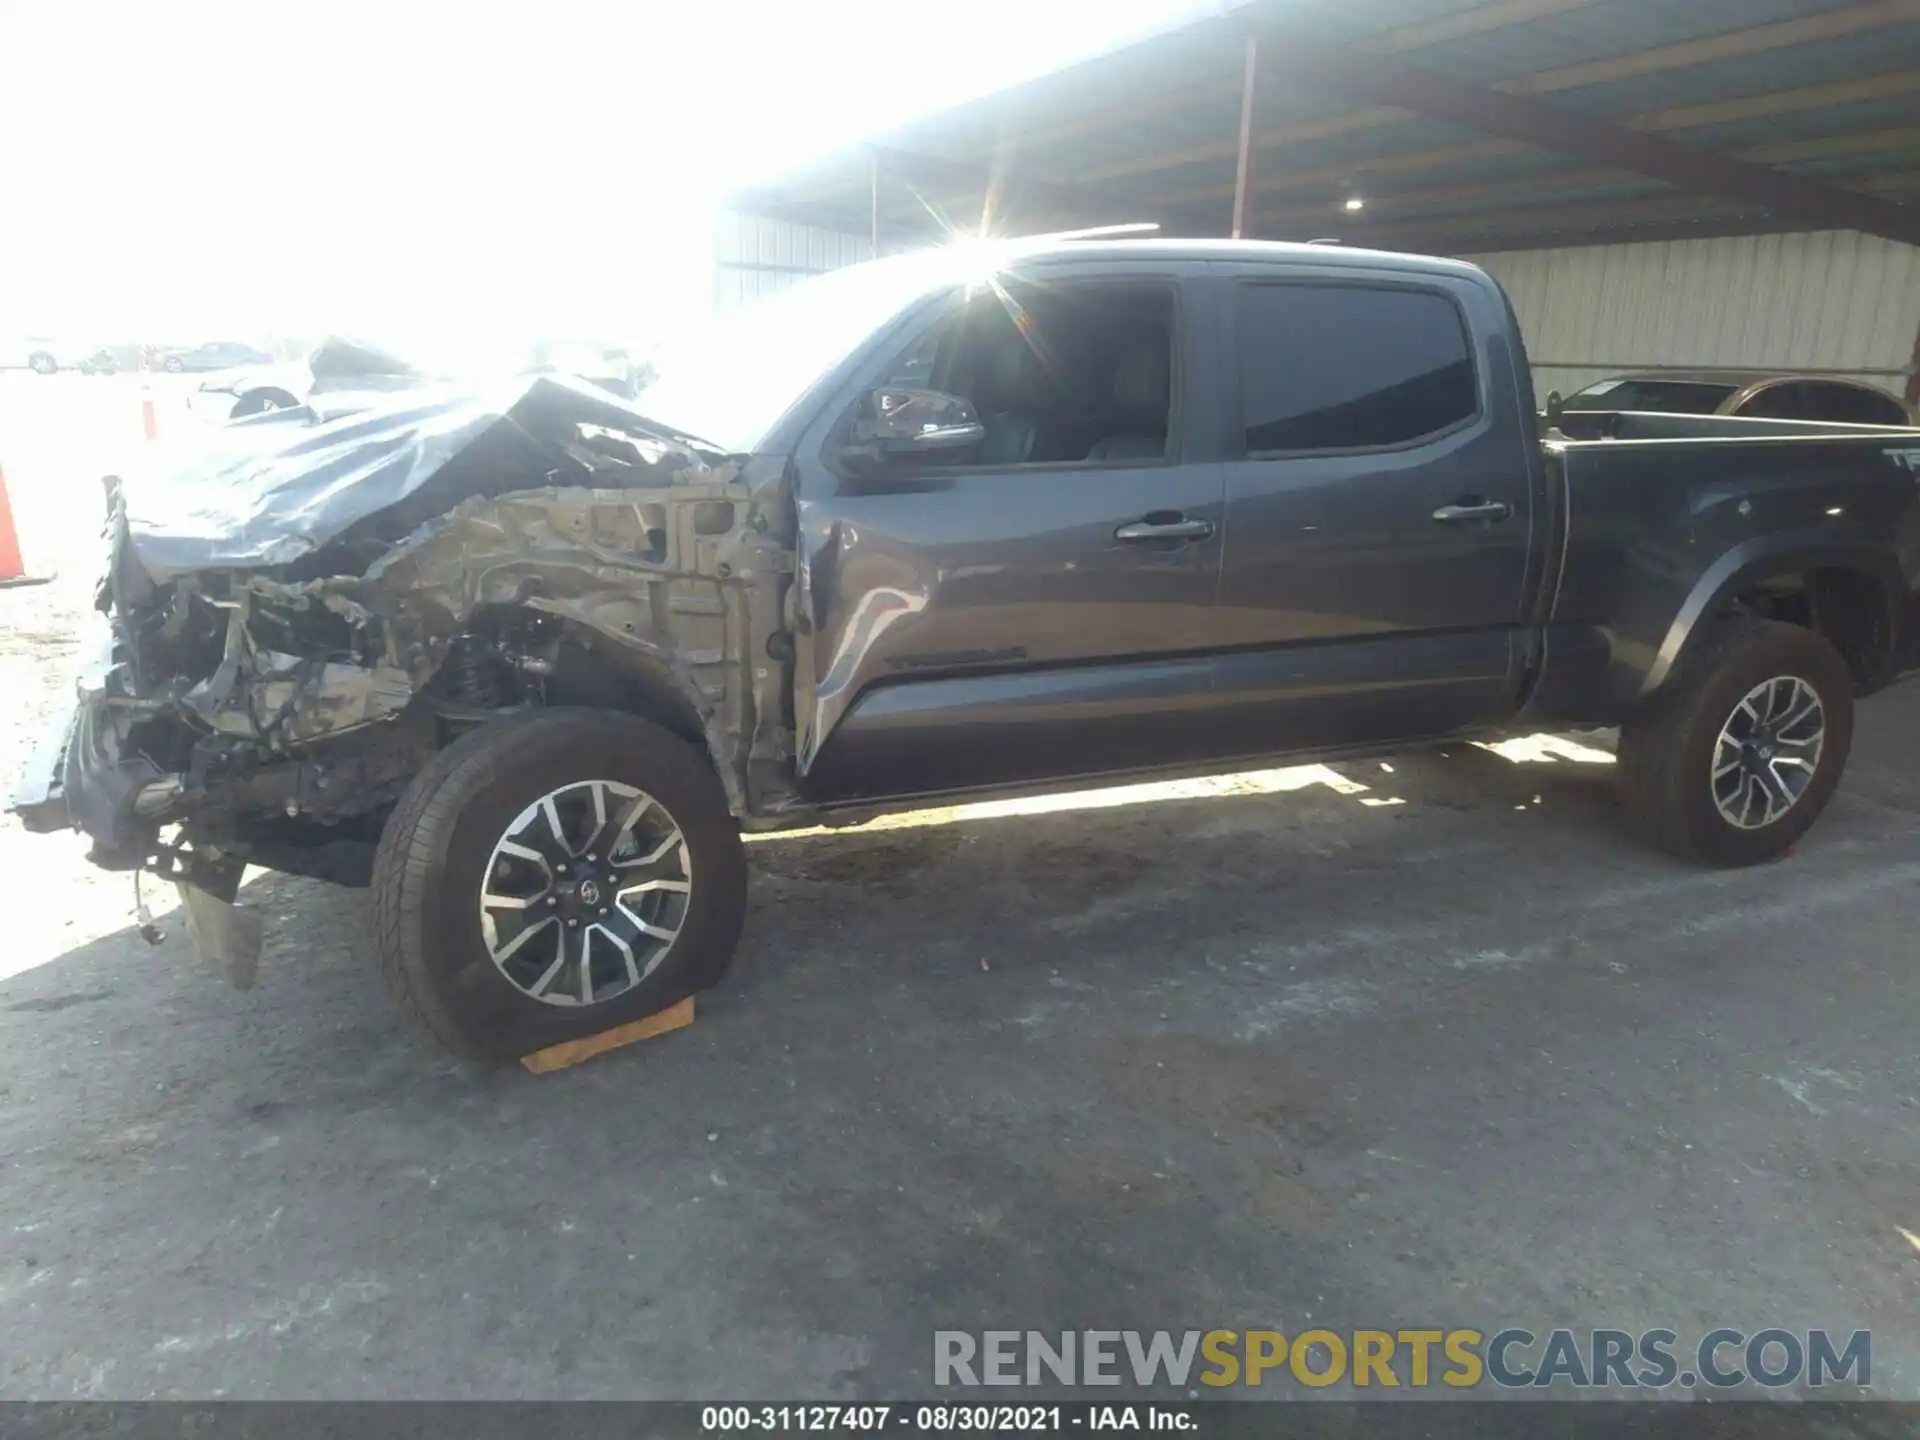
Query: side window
point(1781, 402)
point(1875, 408)
point(1857, 405)
point(915, 368)
point(1080, 371)
point(1828, 402)
point(1347, 367)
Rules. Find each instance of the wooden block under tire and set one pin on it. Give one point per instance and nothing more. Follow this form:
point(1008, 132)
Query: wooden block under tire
point(571, 1052)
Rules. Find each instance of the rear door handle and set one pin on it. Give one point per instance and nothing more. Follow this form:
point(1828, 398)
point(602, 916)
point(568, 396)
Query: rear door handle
point(1472, 507)
point(1173, 528)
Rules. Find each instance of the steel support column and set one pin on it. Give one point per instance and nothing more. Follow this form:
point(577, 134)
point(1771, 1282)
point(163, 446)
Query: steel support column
point(1247, 82)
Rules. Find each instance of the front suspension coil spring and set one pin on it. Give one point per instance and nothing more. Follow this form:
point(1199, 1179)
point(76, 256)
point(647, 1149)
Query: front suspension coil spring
point(474, 674)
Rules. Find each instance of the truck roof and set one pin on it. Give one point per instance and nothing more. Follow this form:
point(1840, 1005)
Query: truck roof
point(1048, 249)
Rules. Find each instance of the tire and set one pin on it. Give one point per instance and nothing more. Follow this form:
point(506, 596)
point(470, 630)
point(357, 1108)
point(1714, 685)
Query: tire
point(173, 365)
point(42, 363)
point(438, 852)
point(259, 402)
point(1673, 775)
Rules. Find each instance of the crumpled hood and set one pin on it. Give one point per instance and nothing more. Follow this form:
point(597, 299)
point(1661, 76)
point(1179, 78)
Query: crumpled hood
point(270, 490)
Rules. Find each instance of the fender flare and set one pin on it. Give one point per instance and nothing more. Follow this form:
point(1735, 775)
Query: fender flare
point(1751, 561)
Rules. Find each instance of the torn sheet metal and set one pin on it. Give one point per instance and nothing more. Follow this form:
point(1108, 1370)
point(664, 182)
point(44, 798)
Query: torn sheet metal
point(683, 583)
point(276, 488)
point(303, 607)
point(282, 698)
point(301, 610)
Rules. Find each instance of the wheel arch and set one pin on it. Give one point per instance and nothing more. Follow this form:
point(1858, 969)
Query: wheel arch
point(596, 670)
point(1851, 594)
point(589, 666)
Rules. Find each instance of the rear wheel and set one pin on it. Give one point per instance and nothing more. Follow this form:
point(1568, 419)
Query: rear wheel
point(1736, 757)
point(554, 876)
point(42, 363)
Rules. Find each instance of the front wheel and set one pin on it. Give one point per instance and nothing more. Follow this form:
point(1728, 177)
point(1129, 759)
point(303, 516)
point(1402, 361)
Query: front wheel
point(1733, 761)
point(553, 876)
point(261, 402)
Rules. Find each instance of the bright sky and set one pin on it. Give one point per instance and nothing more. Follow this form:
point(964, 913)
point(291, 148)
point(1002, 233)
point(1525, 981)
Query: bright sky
point(175, 170)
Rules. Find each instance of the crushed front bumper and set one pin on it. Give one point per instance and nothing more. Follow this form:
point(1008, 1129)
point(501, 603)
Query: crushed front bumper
point(76, 779)
point(41, 800)
point(226, 936)
point(82, 777)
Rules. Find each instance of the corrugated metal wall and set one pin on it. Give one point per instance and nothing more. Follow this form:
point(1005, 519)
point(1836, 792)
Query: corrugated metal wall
point(753, 256)
point(1832, 301)
point(1827, 301)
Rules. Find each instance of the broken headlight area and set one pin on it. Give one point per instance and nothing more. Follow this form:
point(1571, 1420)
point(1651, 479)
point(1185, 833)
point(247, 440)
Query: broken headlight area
point(245, 717)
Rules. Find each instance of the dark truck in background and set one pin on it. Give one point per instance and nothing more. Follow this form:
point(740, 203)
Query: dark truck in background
point(984, 520)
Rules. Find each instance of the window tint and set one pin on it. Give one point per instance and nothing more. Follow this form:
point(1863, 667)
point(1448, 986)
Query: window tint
point(1673, 397)
point(1058, 374)
point(1855, 405)
point(1348, 368)
point(1780, 402)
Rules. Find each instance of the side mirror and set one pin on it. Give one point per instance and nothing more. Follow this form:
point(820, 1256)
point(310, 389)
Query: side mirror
point(895, 420)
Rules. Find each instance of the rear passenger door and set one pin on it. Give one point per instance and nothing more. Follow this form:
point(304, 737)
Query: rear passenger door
point(1379, 503)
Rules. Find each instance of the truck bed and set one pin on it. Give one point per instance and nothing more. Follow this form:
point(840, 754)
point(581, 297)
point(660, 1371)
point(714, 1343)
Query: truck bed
point(1658, 531)
point(1661, 425)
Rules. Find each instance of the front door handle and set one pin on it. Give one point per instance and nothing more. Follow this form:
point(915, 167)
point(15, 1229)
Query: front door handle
point(1472, 507)
point(1172, 527)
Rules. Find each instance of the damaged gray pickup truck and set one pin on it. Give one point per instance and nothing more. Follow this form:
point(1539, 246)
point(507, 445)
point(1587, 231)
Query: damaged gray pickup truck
point(964, 522)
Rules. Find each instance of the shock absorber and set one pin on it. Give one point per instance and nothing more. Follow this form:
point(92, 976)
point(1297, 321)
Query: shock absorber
point(473, 673)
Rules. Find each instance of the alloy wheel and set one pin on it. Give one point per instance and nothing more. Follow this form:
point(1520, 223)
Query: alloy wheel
point(585, 893)
point(1767, 752)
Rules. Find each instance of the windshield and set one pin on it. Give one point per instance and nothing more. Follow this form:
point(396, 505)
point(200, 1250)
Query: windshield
point(1673, 397)
point(730, 380)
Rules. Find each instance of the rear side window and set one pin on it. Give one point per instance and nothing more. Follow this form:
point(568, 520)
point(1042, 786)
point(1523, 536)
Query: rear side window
point(1781, 402)
point(1856, 405)
point(1344, 367)
point(1672, 397)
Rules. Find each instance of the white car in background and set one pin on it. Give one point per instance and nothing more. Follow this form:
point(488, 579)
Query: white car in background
point(339, 364)
point(39, 353)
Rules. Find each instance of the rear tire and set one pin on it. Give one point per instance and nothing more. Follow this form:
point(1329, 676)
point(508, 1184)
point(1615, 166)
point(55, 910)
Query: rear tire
point(1712, 770)
point(442, 851)
point(42, 363)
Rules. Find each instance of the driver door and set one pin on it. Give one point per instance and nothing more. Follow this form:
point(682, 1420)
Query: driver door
point(1036, 607)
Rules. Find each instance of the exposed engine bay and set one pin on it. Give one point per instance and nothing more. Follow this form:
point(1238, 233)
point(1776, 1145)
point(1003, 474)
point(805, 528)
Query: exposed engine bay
point(301, 612)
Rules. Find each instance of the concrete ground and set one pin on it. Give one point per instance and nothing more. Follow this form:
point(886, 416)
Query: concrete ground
point(1429, 1042)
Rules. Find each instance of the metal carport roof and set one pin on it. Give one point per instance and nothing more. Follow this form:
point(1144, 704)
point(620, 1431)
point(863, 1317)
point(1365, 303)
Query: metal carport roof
point(1459, 127)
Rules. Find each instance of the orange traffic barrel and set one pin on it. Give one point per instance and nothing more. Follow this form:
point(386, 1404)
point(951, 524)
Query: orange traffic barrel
point(12, 571)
